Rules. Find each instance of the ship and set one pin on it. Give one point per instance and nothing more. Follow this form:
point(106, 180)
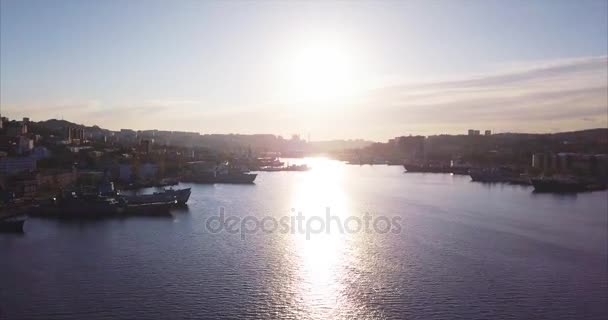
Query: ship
point(230, 177)
point(180, 196)
point(150, 208)
point(490, 175)
point(292, 167)
point(522, 180)
point(426, 168)
point(78, 205)
point(225, 172)
point(460, 170)
point(558, 184)
point(12, 224)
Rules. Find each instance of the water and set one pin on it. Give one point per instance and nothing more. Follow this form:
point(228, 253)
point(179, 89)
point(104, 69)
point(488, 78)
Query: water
point(465, 251)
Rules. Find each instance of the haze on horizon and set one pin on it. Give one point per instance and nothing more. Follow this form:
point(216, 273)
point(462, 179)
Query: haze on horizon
point(370, 70)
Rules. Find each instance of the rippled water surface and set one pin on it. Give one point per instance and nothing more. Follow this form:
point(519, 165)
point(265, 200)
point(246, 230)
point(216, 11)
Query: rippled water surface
point(464, 251)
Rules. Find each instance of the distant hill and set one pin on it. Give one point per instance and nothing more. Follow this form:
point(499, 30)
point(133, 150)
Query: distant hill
point(338, 145)
point(270, 142)
point(57, 127)
point(54, 124)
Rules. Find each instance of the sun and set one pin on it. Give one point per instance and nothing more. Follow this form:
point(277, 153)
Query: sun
point(321, 72)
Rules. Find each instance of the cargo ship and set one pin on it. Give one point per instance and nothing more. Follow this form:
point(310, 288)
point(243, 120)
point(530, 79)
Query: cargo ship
point(490, 175)
point(75, 205)
point(559, 184)
point(426, 168)
point(216, 177)
point(293, 167)
point(179, 196)
point(150, 208)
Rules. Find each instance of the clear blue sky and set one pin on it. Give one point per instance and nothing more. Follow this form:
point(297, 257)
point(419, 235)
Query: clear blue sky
point(229, 66)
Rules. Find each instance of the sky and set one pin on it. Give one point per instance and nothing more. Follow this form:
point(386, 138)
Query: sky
point(331, 69)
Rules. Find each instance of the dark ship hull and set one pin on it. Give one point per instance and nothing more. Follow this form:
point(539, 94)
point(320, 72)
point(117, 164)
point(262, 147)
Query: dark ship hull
point(78, 208)
point(177, 196)
point(557, 185)
point(233, 178)
point(150, 209)
point(12, 225)
point(426, 168)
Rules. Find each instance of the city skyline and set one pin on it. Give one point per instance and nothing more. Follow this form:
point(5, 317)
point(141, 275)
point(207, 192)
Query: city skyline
point(333, 70)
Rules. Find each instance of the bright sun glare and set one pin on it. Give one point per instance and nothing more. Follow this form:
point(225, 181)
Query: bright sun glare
point(321, 72)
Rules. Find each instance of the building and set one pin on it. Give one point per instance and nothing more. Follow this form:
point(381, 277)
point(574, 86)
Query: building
point(128, 172)
point(538, 161)
point(146, 145)
point(148, 171)
point(40, 153)
point(75, 135)
point(411, 147)
point(571, 163)
point(79, 148)
point(473, 132)
point(12, 165)
point(3, 121)
point(488, 133)
point(16, 128)
point(53, 180)
point(25, 145)
point(24, 185)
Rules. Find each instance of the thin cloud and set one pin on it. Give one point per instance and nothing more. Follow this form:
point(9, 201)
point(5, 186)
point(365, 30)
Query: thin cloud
point(527, 98)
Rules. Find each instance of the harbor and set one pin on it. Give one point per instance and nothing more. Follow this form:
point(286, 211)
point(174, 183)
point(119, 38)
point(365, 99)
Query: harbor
point(303, 160)
point(447, 220)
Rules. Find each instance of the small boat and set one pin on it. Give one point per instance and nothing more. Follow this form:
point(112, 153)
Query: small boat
point(13, 224)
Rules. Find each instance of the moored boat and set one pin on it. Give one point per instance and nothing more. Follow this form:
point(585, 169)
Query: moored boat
point(460, 170)
point(558, 184)
point(150, 208)
point(179, 196)
point(13, 224)
point(74, 205)
point(522, 180)
point(426, 168)
point(232, 178)
point(302, 167)
point(491, 174)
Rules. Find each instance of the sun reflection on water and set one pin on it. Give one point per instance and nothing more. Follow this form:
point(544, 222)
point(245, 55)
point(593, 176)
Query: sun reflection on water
point(323, 257)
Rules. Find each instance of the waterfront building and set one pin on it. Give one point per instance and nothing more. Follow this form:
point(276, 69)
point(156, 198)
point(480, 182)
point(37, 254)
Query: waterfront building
point(127, 172)
point(24, 145)
point(146, 145)
point(56, 179)
point(12, 165)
